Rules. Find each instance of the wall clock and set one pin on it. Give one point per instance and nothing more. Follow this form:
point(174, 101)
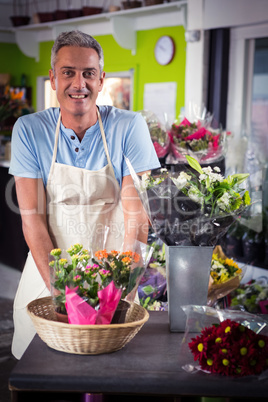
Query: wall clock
point(164, 50)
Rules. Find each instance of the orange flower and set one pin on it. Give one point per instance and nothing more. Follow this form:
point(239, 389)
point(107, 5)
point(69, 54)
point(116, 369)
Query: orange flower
point(101, 254)
point(136, 257)
point(114, 253)
point(7, 89)
point(127, 253)
point(126, 260)
point(16, 95)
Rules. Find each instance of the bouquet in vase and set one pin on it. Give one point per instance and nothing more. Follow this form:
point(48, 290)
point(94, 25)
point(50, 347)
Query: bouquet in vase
point(194, 207)
point(190, 210)
point(90, 288)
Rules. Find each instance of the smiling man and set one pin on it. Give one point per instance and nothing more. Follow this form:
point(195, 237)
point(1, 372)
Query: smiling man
point(71, 177)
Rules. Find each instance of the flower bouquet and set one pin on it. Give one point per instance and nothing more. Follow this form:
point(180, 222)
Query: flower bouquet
point(189, 212)
point(152, 287)
point(195, 139)
point(12, 105)
point(158, 134)
point(228, 343)
point(251, 296)
point(225, 276)
point(192, 209)
point(90, 288)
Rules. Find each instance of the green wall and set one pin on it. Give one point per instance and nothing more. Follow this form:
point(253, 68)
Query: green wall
point(146, 69)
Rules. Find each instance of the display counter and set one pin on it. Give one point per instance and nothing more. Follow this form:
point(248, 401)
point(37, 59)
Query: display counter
point(149, 365)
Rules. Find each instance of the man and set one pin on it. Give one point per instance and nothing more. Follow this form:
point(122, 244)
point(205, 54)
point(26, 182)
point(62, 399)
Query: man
point(71, 177)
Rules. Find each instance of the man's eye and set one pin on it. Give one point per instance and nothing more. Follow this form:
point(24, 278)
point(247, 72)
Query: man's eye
point(67, 73)
point(88, 74)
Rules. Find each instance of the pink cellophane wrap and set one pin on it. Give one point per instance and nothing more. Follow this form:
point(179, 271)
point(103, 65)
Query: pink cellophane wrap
point(161, 151)
point(81, 313)
point(109, 298)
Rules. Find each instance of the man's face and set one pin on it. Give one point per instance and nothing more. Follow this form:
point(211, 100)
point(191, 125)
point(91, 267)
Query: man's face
point(77, 80)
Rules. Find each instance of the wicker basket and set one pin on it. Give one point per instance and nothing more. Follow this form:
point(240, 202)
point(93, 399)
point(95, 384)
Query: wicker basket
point(84, 339)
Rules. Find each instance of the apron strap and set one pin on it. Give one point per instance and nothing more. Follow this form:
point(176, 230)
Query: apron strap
point(56, 140)
point(104, 138)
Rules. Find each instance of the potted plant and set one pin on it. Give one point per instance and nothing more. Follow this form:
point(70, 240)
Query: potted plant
point(128, 4)
point(90, 288)
point(20, 13)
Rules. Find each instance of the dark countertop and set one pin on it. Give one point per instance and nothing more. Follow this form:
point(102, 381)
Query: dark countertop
point(150, 364)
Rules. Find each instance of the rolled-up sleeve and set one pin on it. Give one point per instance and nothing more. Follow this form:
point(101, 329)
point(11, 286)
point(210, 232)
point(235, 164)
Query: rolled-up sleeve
point(138, 147)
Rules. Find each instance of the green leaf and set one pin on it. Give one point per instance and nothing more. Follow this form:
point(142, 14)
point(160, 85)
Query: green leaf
point(148, 289)
point(194, 164)
point(246, 198)
point(240, 177)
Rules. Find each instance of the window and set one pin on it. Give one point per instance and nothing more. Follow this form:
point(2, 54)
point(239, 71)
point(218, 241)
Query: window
point(117, 90)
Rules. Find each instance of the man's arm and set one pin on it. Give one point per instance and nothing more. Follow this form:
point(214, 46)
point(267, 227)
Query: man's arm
point(32, 203)
point(135, 218)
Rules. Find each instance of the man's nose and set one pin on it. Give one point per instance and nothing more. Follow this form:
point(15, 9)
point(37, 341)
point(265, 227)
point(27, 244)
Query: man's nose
point(79, 81)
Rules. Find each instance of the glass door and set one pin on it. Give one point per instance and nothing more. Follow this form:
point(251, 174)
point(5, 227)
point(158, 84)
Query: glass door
point(259, 99)
point(247, 119)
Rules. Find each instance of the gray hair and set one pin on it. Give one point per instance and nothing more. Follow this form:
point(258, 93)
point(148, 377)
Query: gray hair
point(79, 39)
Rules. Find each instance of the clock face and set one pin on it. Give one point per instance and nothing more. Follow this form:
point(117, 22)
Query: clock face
point(164, 50)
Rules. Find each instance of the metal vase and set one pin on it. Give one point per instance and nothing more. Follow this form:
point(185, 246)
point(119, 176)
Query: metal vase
point(188, 270)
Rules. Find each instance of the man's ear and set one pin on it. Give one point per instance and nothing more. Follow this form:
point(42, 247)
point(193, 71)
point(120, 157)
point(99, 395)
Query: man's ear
point(101, 81)
point(52, 79)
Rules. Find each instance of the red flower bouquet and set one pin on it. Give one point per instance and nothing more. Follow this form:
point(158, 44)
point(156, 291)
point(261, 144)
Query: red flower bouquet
point(227, 342)
point(195, 139)
point(230, 349)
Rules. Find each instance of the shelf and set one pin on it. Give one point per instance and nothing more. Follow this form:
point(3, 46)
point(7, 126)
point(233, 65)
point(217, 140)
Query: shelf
point(122, 24)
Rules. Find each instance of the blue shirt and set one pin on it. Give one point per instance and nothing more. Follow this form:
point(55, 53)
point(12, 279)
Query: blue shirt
point(126, 134)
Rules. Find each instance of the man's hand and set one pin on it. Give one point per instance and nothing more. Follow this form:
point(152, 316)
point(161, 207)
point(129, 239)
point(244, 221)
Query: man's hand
point(135, 218)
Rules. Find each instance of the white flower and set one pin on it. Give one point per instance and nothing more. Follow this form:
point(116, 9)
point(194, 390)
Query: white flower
point(207, 170)
point(262, 295)
point(209, 175)
point(224, 201)
point(156, 306)
point(217, 169)
point(217, 264)
point(181, 180)
point(145, 181)
point(158, 180)
point(196, 195)
point(145, 176)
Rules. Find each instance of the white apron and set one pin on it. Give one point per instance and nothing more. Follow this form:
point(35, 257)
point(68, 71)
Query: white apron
point(79, 203)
